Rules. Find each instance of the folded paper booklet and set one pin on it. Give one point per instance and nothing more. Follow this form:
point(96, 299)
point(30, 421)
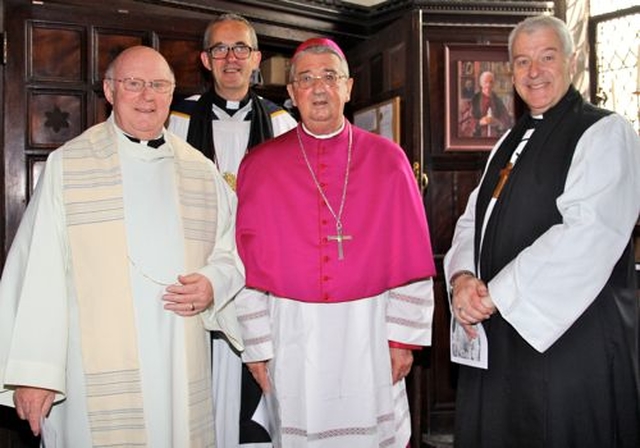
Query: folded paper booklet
point(467, 351)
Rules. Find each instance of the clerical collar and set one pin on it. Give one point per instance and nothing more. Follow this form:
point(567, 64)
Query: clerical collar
point(324, 136)
point(558, 109)
point(230, 107)
point(536, 120)
point(155, 143)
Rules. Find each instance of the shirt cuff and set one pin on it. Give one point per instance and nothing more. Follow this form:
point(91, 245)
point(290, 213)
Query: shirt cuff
point(394, 344)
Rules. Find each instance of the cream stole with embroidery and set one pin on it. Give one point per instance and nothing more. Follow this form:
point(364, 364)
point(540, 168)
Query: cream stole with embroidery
point(95, 222)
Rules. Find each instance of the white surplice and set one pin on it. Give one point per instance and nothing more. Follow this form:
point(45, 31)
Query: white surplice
point(330, 365)
point(39, 329)
point(231, 132)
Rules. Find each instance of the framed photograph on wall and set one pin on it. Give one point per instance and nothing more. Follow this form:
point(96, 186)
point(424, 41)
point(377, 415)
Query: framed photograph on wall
point(382, 118)
point(479, 98)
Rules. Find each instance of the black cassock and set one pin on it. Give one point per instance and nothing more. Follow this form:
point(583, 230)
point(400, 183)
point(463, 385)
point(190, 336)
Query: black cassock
point(583, 391)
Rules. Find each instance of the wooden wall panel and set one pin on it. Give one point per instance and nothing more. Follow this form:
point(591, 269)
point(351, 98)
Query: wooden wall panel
point(54, 118)
point(108, 43)
point(183, 55)
point(446, 197)
point(439, 197)
point(101, 108)
point(361, 74)
point(434, 84)
point(397, 60)
point(377, 72)
point(56, 52)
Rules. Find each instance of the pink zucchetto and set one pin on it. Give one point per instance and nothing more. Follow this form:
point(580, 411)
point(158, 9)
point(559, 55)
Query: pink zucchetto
point(320, 42)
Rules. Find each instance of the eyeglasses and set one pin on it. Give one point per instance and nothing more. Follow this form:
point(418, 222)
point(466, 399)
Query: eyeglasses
point(138, 85)
point(329, 79)
point(240, 51)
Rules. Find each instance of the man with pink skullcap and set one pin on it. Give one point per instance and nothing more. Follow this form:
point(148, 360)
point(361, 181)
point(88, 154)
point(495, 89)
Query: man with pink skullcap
point(333, 234)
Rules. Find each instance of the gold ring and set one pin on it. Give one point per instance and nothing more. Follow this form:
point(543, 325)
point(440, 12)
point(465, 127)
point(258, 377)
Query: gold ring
point(193, 307)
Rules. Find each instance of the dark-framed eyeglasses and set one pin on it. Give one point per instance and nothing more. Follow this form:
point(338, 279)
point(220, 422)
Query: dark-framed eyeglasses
point(329, 79)
point(138, 84)
point(220, 51)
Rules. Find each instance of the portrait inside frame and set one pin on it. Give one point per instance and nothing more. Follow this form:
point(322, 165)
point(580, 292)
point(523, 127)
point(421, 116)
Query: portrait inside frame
point(479, 96)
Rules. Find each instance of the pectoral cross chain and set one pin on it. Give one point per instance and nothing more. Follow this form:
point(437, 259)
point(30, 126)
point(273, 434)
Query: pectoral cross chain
point(339, 238)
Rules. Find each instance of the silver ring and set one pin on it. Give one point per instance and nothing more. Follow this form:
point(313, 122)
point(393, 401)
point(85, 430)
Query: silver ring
point(193, 307)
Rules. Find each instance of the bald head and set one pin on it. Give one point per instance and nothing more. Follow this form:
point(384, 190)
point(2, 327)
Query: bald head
point(130, 55)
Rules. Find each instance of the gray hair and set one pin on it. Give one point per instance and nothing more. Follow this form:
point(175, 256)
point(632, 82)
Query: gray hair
point(484, 75)
point(108, 73)
point(318, 49)
point(226, 18)
point(537, 23)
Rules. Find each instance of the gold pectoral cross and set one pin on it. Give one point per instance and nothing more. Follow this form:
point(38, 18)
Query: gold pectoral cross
point(230, 178)
point(504, 175)
point(339, 238)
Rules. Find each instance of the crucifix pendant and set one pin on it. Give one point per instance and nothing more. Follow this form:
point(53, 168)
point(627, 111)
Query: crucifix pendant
point(504, 175)
point(339, 238)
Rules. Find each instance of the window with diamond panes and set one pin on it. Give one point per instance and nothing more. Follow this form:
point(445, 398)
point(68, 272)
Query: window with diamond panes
point(616, 45)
